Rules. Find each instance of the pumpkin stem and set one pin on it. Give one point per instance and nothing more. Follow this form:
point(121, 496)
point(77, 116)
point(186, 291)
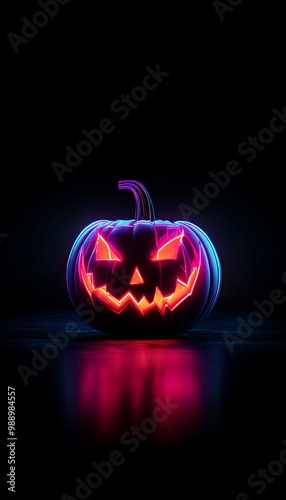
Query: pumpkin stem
point(144, 208)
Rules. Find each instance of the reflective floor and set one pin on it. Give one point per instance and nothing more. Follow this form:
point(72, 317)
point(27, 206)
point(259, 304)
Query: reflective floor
point(193, 416)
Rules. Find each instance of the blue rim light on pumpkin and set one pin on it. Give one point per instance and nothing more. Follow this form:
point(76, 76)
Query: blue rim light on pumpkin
point(144, 273)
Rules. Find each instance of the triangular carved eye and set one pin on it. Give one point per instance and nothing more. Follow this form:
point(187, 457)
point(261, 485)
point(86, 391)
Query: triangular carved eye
point(169, 250)
point(104, 251)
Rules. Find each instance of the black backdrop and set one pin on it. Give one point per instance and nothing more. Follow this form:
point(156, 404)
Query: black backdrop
point(225, 78)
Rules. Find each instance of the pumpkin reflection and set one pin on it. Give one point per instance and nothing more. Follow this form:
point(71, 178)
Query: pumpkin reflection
point(117, 385)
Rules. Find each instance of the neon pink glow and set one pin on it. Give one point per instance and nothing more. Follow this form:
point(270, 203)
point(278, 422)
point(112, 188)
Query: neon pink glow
point(143, 306)
point(118, 383)
point(170, 249)
point(143, 267)
point(104, 251)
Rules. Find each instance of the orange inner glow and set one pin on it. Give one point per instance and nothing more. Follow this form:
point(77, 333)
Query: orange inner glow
point(104, 250)
point(136, 278)
point(170, 249)
point(182, 290)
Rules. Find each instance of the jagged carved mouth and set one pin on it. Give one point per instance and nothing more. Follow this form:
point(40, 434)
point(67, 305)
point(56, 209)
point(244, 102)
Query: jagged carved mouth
point(183, 289)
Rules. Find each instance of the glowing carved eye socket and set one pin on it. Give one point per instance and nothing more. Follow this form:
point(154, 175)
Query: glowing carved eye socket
point(169, 250)
point(104, 251)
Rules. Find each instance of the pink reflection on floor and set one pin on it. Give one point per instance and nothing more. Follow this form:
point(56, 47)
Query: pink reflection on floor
point(118, 385)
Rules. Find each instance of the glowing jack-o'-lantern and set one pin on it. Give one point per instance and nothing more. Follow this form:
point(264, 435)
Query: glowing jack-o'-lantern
point(143, 275)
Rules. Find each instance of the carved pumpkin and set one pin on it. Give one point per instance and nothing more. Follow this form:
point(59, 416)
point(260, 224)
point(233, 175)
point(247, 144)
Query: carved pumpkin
point(143, 275)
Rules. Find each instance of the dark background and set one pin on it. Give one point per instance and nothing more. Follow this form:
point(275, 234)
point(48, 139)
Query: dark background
point(225, 79)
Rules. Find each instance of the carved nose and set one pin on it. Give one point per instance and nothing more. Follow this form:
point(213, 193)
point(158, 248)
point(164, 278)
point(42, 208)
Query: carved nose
point(136, 278)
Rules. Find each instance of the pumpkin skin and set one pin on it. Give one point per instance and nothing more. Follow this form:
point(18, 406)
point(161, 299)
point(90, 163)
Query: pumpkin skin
point(143, 277)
